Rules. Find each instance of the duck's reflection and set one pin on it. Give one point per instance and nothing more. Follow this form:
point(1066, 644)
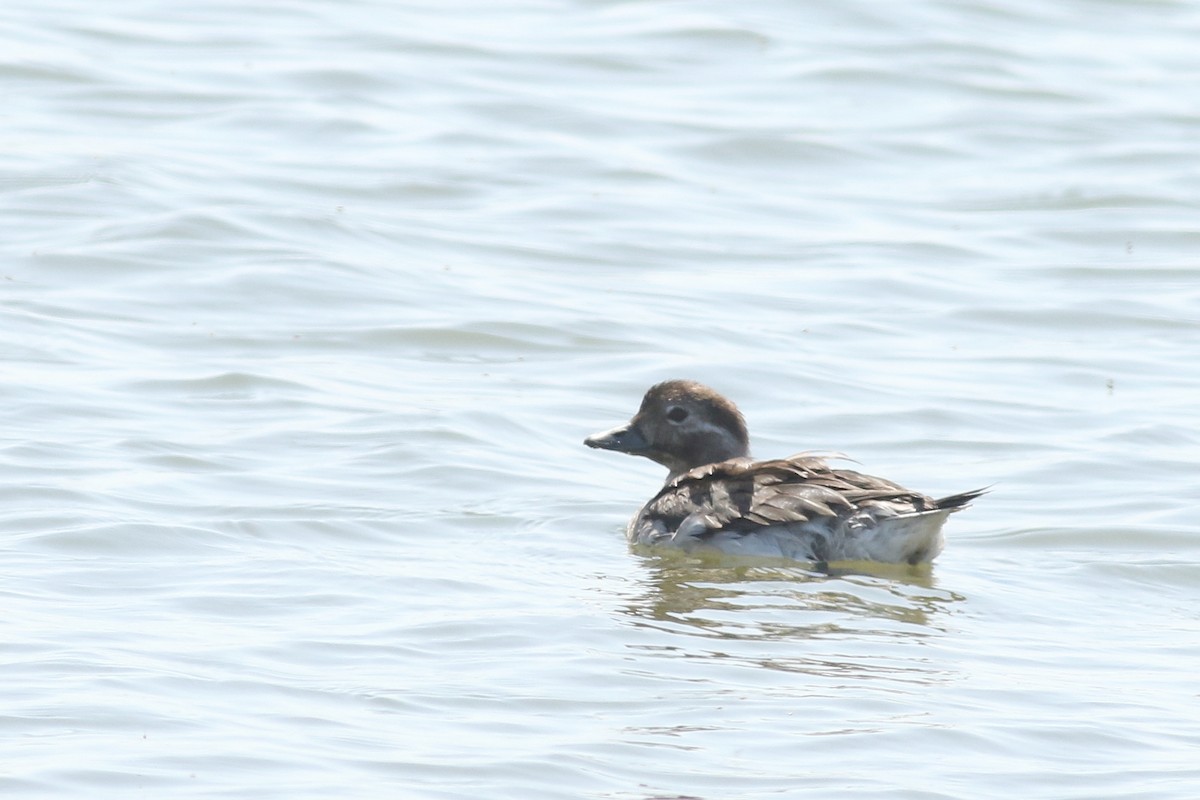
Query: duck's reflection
point(859, 619)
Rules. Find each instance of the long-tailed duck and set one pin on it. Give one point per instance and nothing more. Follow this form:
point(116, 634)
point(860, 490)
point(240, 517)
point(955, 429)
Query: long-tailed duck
point(718, 497)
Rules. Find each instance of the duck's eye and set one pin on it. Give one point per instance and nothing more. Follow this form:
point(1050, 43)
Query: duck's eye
point(677, 414)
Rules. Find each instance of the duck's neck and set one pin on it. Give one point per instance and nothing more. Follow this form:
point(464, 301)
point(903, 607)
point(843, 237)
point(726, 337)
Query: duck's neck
point(683, 467)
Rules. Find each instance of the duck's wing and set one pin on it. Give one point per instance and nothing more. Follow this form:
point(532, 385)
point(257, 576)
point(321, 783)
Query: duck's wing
point(743, 495)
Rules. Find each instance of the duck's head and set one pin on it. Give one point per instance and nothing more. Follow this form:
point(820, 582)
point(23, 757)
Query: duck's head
point(681, 425)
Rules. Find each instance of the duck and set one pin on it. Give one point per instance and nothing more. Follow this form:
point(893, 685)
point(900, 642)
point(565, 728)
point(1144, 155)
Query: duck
point(718, 498)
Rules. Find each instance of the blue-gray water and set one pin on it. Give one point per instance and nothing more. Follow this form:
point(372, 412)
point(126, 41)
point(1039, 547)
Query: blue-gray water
point(308, 306)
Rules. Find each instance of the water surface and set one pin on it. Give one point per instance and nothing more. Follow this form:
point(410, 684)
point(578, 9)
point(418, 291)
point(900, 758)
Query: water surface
point(309, 307)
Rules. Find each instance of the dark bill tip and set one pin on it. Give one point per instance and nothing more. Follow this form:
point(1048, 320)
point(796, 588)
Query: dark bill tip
point(625, 439)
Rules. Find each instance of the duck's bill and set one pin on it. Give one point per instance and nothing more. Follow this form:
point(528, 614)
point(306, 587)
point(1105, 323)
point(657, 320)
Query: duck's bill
point(625, 439)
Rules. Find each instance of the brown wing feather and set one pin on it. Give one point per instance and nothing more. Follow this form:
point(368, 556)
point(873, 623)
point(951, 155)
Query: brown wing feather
point(742, 494)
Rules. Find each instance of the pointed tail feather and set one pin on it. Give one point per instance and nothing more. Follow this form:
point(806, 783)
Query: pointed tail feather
point(956, 502)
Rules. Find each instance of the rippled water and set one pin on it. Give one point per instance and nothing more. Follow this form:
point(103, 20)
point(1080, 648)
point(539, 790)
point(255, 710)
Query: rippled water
point(308, 307)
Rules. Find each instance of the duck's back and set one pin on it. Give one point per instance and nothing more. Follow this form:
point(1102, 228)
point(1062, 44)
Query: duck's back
point(798, 508)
